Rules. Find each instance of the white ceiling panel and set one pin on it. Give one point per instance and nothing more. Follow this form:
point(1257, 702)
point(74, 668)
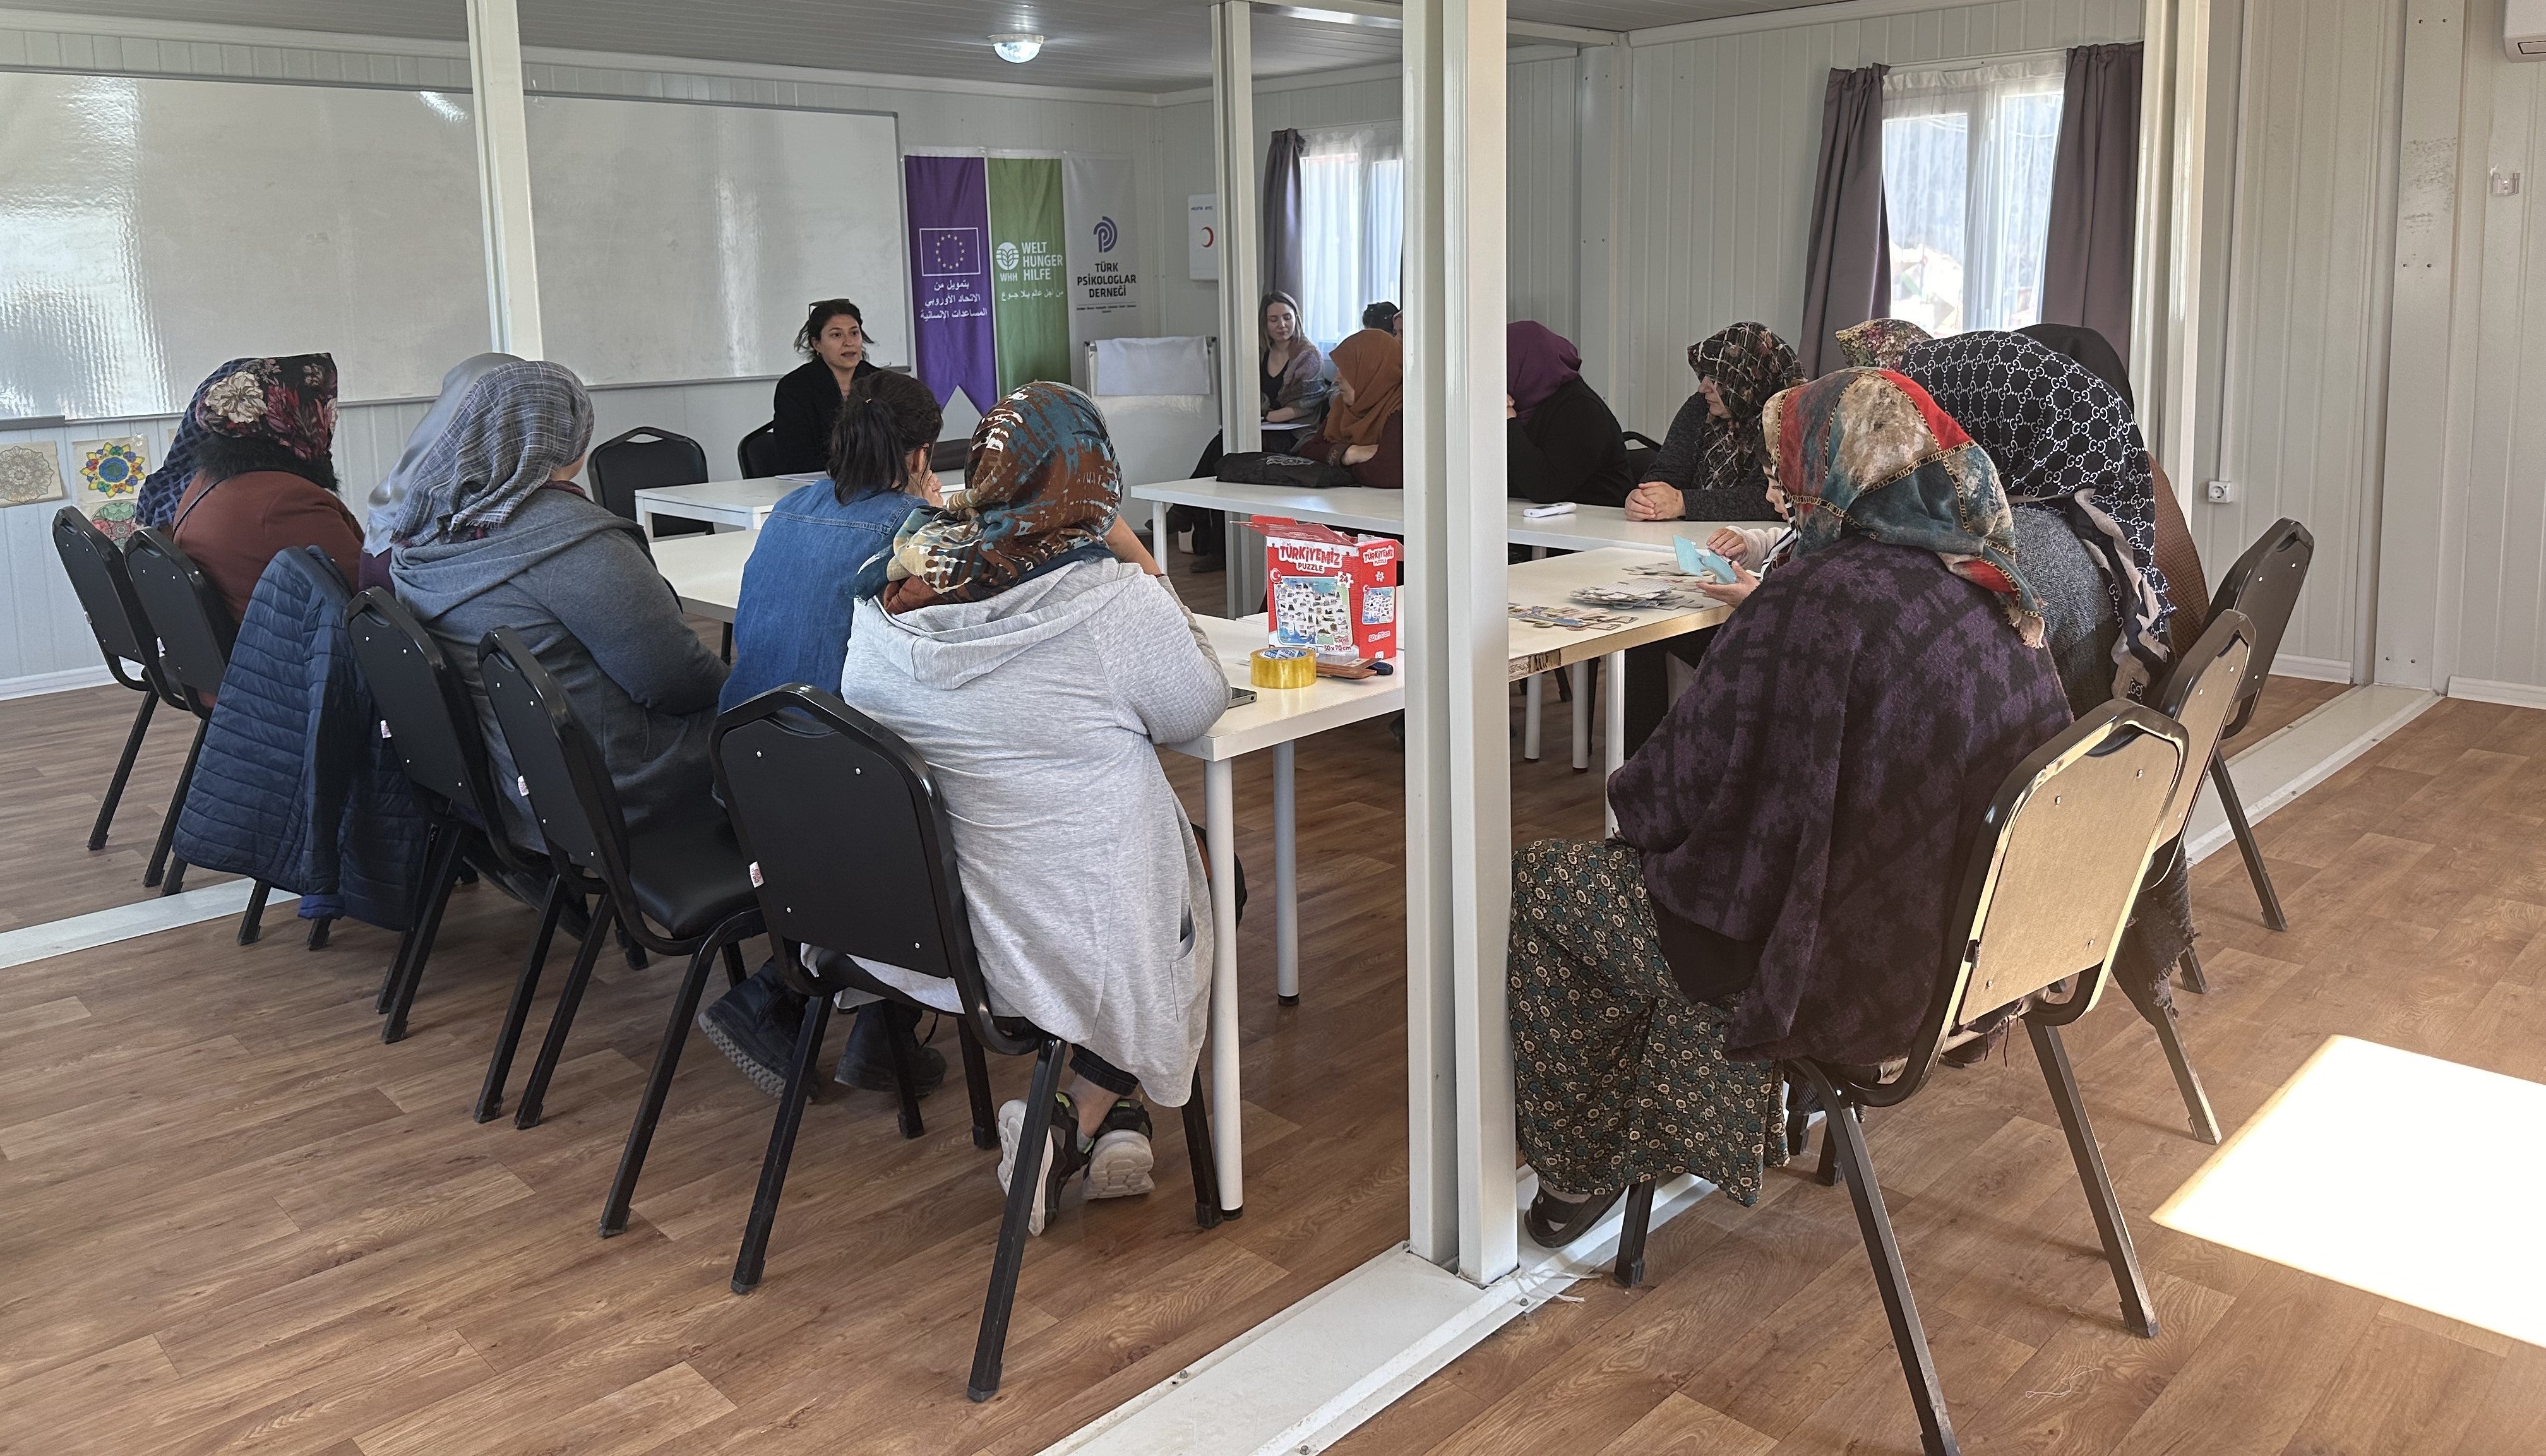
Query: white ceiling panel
point(1135, 46)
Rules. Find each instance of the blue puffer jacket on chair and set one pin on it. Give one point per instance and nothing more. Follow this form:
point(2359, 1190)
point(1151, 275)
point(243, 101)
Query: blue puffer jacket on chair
point(296, 786)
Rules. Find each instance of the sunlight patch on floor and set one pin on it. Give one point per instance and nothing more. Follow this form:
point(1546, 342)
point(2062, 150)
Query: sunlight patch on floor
point(2358, 1170)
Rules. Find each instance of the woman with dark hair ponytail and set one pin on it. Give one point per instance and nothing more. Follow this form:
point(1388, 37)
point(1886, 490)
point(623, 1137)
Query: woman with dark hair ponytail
point(791, 624)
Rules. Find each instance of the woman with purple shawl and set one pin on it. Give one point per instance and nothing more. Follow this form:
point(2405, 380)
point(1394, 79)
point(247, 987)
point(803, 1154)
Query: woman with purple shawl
point(1788, 838)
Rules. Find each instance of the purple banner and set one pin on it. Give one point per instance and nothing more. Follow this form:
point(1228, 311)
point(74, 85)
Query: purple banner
point(950, 266)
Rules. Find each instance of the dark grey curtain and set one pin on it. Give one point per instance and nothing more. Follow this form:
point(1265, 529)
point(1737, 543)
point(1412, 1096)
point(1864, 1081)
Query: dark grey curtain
point(1847, 269)
point(2094, 195)
point(1282, 214)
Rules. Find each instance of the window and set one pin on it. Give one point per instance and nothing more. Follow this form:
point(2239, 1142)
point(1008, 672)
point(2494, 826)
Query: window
point(1967, 158)
point(1352, 225)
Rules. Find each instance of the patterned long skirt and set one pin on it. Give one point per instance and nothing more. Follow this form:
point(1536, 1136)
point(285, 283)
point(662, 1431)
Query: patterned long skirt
point(1621, 1076)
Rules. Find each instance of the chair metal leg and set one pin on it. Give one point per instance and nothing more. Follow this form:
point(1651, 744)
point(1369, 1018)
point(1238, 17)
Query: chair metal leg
point(2236, 810)
point(1798, 1122)
point(526, 987)
point(2138, 1315)
point(605, 914)
point(1629, 1268)
point(252, 919)
point(1827, 1174)
point(319, 929)
point(1025, 1184)
point(628, 944)
point(2193, 979)
point(658, 1083)
point(123, 772)
point(901, 1048)
point(166, 871)
point(977, 1081)
point(396, 972)
point(733, 970)
point(444, 871)
point(2196, 1102)
point(1882, 1252)
point(1206, 1162)
point(748, 1264)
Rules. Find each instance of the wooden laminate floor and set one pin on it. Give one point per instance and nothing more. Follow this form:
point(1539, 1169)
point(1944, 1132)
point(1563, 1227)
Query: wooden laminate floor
point(231, 1219)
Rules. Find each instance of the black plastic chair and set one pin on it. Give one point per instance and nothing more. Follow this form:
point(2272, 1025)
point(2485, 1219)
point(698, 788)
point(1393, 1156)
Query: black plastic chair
point(795, 766)
point(425, 711)
point(949, 456)
point(688, 877)
point(193, 629)
point(757, 452)
point(2264, 586)
point(2046, 891)
point(647, 459)
point(115, 618)
point(1641, 451)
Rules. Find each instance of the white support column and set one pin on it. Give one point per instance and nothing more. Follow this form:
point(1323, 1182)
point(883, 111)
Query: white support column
point(2178, 434)
point(1457, 778)
point(1233, 93)
point(2150, 227)
point(504, 177)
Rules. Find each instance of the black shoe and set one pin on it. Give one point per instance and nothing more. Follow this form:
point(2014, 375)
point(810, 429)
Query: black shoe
point(755, 1024)
point(866, 1062)
point(1555, 1221)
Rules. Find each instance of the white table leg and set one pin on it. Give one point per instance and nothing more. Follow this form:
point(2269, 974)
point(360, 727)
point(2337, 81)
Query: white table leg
point(1581, 678)
point(1220, 835)
point(1533, 695)
point(1614, 728)
point(1286, 882)
point(1159, 533)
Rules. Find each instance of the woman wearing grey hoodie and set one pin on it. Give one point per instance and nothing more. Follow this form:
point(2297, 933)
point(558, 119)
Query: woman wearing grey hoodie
point(491, 531)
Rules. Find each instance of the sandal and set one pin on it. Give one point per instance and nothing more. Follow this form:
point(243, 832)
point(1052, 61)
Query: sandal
point(1555, 1222)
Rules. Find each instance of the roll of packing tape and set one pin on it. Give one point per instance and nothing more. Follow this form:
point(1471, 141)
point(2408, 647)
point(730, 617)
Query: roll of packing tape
point(1282, 667)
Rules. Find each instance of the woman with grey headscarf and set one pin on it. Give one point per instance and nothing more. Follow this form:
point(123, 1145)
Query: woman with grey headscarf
point(492, 532)
point(381, 508)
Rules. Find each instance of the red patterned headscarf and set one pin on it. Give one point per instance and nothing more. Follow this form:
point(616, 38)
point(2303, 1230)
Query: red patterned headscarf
point(288, 401)
point(1042, 482)
point(1866, 451)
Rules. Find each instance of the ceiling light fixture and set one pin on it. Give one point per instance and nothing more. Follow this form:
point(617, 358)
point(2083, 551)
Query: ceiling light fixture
point(1017, 50)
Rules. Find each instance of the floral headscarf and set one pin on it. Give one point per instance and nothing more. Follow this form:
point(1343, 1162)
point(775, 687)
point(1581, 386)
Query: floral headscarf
point(514, 430)
point(1880, 343)
point(1041, 484)
point(2064, 439)
point(1749, 363)
point(157, 503)
point(1373, 362)
point(288, 401)
point(1537, 362)
point(1866, 450)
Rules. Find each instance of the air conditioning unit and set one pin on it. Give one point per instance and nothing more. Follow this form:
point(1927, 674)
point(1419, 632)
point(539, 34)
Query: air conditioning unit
point(2524, 29)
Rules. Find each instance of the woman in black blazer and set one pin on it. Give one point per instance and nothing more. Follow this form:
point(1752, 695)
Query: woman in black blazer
point(807, 403)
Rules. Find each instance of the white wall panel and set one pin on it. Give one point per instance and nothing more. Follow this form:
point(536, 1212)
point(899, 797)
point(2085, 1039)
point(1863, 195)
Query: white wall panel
point(1723, 137)
point(2305, 399)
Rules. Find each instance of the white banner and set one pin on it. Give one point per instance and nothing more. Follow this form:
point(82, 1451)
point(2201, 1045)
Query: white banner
point(1099, 209)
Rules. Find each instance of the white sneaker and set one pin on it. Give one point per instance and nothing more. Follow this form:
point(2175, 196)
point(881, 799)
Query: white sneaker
point(1063, 1159)
point(1119, 1166)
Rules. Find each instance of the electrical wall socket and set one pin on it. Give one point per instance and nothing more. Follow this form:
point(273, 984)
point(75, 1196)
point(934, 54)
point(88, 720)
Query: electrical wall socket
point(2504, 183)
point(2222, 492)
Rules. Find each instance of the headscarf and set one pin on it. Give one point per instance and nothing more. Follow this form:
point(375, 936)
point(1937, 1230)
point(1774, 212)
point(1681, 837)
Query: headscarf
point(288, 401)
point(1866, 451)
point(1880, 343)
point(1537, 362)
point(400, 479)
point(1042, 482)
point(166, 485)
point(2063, 438)
point(2088, 348)
point(1748, 364)
point(510, 434)
point(1373, 362)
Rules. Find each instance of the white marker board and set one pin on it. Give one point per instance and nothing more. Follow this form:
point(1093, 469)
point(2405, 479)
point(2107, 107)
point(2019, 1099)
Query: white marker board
point(151, 227)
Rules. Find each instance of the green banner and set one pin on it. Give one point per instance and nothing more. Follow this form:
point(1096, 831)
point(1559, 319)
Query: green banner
point(1028, 270)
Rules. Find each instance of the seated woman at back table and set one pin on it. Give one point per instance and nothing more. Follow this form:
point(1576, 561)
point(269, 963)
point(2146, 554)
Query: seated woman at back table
point(1564, 443)
point(807, 400)
point(1711, 464)
point(792, 624)
point(1037, 671)
point(1364, 424)
point(1785, 854)
point(494, 532)
point(264, 479)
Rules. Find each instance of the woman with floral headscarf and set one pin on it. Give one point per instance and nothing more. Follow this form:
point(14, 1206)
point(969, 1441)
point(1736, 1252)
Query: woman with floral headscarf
point(263, 478)
point(1712, 464)
point(1786, 848)
point(1880, 343)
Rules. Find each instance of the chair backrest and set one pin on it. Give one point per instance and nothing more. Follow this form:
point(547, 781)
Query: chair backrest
point(647, 459)
point(1642, 451)
point(114, 616)
point(425, 705)
point(2200, 691)
point(561, 769)
point(757, 452)
point(2264, 586)
point(186, 611)
point(2050, 880)
point(949, 456)
point(849, 843)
